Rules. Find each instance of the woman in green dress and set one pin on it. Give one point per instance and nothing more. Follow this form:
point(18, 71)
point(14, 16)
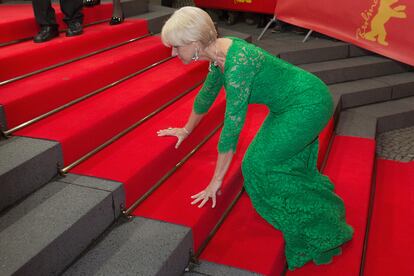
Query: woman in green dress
point(279, 167)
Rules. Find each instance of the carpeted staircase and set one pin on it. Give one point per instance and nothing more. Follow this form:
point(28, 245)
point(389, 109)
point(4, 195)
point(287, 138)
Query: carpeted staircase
point(87, 187)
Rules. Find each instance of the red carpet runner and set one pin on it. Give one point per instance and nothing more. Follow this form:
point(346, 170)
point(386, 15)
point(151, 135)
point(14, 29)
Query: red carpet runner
point(140, 158)
point(88, 124)
point(56, 87)
point(171, 202)
point(391, 237)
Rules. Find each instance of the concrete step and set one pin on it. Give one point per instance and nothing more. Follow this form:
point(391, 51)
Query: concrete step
point(318, 50)
point(138, 247)
point(25, 165)
point(134, 7)
point(290, 47)
point(396, 145)
point(210, 268)
point(369, 120)
point(356, 68)
point(50, 228)
point(156, 17)
point(369, 91)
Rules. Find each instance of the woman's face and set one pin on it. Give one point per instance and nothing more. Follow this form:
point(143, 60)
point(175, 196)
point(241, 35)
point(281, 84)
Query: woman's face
point(185, 53)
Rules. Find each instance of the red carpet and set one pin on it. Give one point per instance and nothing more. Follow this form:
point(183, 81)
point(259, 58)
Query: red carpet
point(350, 166)
point(56, 87)
point(28, 56)
point(391, 239)
point(86, 125)
point(171, 202)
point(17, 21)
point(247, 241)
point(140, 158)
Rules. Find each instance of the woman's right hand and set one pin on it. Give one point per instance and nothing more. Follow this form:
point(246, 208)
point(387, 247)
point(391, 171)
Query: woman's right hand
point(180, 133)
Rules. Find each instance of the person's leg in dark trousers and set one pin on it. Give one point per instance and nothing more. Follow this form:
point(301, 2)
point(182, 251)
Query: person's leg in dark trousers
point(46, 18)
point(72, 9)
point(44, 13)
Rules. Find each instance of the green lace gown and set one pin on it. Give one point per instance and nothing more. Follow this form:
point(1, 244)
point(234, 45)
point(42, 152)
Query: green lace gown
point(279, 167)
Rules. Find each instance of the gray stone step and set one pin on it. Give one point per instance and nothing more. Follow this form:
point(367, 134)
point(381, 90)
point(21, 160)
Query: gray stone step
point(25, 165)
point(214, 269)
point(296, 52)
point(370, 120)
point(315, 54)
point(156, 17)
point(369, 91)
point(3, 125)
point(356, 68)
point(134, 7)
point(355, 51)
point(45, 232)
point(138, 247)
point(396, 145)
point(290, 47)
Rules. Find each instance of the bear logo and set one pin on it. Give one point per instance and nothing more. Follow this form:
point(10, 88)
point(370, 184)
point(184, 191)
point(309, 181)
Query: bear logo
point(385, 12)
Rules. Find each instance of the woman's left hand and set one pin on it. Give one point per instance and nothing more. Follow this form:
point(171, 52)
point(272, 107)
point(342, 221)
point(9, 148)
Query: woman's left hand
point(180, 133)
point(209, 192)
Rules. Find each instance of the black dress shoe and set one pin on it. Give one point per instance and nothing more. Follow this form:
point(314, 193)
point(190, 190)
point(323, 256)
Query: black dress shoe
point(91, 3)
point(74, 29)
point(46, 33)
point(115, 20)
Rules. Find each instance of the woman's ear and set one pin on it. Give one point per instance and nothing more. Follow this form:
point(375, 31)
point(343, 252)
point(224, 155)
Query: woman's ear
point(197, 44)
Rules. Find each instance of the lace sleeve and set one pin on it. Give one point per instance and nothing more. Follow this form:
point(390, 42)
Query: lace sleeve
point(243, 67)
point(208, 93)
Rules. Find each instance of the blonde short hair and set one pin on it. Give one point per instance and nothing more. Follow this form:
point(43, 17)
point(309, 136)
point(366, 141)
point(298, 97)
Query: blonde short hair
point(186, 25)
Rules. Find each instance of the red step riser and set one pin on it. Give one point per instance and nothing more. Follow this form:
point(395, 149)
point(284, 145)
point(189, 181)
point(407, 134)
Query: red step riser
point(391, 239)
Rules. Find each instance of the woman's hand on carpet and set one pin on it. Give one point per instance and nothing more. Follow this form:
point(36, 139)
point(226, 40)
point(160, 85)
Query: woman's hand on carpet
point(210, 191)
point(180, 133)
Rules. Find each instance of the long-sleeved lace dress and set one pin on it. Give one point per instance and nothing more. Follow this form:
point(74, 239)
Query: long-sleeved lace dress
point(279, 167)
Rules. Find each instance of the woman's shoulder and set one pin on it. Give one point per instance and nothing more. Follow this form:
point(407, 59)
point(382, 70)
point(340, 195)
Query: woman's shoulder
point(243, 52)
point(237, 41)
